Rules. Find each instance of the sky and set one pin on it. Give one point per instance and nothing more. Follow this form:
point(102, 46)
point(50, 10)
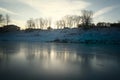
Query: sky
point(22, 10)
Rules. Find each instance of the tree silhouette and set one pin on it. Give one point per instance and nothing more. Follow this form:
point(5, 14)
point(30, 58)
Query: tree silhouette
point(30, 23)
point(2, 20)
point(7, 19)
point(68, 21)
point(39, 23)
point(86, 17)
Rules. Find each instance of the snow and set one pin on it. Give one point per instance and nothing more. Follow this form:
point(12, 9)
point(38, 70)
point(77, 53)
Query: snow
point(95, 35)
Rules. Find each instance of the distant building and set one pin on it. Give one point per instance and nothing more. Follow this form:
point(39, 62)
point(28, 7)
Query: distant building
point(103, 24)
point(115, 25)
point(9, 28)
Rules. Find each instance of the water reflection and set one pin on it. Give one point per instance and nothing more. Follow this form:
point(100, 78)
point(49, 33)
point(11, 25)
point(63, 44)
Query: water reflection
point(56, 60)
point(7, 49)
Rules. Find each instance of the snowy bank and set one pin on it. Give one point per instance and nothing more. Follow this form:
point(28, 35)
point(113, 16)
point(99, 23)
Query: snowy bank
point(94, 35)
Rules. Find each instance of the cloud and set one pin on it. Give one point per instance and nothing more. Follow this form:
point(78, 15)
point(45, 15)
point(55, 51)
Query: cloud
point(104, 10)
point(56, 8)
point(8, 11)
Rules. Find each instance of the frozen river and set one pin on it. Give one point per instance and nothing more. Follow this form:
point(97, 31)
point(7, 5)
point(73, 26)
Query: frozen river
point(59, 61)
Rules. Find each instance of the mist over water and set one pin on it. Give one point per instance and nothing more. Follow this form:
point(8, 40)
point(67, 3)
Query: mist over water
point(60, 61)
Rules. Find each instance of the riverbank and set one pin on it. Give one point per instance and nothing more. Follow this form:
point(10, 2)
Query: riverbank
point(75, 35)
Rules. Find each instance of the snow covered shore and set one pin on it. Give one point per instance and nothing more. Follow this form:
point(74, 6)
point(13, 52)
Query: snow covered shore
point(94, 35)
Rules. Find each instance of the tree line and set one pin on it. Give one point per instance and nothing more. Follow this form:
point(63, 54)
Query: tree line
point(4, 19)
point(85, 20)
point(67, 21)
point(39, 23)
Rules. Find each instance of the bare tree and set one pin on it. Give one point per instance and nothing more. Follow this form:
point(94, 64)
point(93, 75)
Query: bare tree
point(41, 23)
point(49, 22)
point(58, 24)
point(62, 22)
point(30, 23)
point(86, 17)
point(7, 19)
point(36, 23)
point(77, 20)
point(2, 20)
point(68, 21)
point(46, 23)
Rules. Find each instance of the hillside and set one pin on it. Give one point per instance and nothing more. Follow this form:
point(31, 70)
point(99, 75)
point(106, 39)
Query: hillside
point(75, 35)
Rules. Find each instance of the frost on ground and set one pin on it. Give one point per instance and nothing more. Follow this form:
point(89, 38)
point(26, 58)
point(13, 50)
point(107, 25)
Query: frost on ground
point(94, 35)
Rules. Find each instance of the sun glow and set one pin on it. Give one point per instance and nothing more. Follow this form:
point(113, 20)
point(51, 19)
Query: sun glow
point(56, 9)
point(22, 10)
